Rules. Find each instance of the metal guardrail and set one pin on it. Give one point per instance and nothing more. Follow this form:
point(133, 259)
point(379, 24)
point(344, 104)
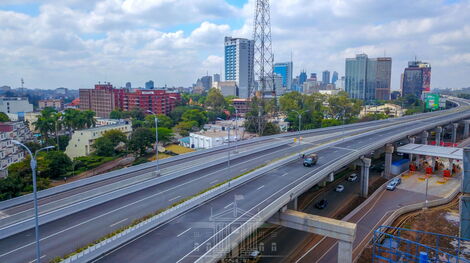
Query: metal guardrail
point(111, 243)
point(303, 184)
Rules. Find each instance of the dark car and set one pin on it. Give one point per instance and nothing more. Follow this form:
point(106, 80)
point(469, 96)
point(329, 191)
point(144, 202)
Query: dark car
point(321, 204)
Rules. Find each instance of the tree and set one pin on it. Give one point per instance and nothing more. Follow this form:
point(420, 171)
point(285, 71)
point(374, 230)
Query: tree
point(183, 128)
point(4, 117)
point(53, 164)
point(88, 117)
point(141, 139)
point(195, 115)
point(46, 122)
point(163, 121)
point(116, 115)
point(104, 147)
point(340, 106)
point(271, 129)
point(215, 100)
point(115, 136)
point(164, 134)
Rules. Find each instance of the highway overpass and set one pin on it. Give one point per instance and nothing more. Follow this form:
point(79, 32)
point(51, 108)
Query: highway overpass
point(64, 234)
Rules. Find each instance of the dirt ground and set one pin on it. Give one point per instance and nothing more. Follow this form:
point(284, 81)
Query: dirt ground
point(442, 220)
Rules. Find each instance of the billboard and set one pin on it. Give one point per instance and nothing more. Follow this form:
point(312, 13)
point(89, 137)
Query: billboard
point(426, 79)
point(432, 101)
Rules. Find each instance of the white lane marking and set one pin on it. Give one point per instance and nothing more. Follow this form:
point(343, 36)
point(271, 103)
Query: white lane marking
point(259, 188)
point(310, 250)
point(244, 170)
point(118, 222)
point(213, 182)
point(284, 174)
point(174, 198)
point(34, 260)
point(3, 215)
point(182, 233)
point(228, 205)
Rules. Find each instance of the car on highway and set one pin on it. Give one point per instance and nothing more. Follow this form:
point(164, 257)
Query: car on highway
point(352, 177)
point(378, 167)
point(321, 204)
point(339, 188)
point(310, 159)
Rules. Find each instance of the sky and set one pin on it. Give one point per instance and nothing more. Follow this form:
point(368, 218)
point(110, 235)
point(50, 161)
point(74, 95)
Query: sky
point(76, 43)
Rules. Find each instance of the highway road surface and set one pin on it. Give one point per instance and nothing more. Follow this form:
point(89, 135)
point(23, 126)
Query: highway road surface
point(188, 236)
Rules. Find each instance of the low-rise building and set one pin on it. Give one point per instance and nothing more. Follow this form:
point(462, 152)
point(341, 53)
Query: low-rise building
point(15, 105)
point(210, 139)
point(82, 140)
point(242, 105)
point(53, 103)
point(9, 152)
point(30, 118)
point(391, 110)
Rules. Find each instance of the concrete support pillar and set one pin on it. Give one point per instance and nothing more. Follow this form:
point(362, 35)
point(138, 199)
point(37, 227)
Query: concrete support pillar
point(433, 163)
point(466, 128)
point(418, 161)
point(454, 132)
point(438, 135)
point(344, 232)
point(365, 177)
point(293, 205)
point(388, 160)
point(411, 139)
point(465, 198)
point(344, 252)
point(331, 177)
point(424, 137)
point(322, 183)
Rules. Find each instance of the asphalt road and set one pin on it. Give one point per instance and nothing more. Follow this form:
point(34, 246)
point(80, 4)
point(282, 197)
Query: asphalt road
point(66, 234)
point(176, 240)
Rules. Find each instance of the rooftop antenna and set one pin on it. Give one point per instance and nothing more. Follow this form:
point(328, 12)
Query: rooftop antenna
point(22, 83)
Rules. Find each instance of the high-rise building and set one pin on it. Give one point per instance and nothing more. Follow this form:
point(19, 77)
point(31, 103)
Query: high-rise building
point(383, 78)
point(206, 82)
point(101, 100)
point(302, 77)
point(149, 84)
point(334, 78)
point(416, 79)
point(239, 63)
point(128, 85)
point(313, 76)
point(285, 70)
point(325, 77)
point(216, 78)
point(364, 75)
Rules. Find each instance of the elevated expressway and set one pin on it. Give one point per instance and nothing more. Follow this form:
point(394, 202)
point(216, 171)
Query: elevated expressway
point(64, 234)
point(208, 231)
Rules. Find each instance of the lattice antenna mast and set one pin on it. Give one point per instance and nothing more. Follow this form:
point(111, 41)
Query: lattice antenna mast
point(263, 57)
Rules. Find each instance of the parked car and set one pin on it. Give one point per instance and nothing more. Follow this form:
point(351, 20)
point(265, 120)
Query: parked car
point(321, 204)
point(352, 177)
point(397, 180)
point(339, 188)
point(392, 185)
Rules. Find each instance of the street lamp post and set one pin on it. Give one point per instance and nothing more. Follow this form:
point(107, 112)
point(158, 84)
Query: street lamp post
point(157, 172)
point(33, 164)
point(299, 115)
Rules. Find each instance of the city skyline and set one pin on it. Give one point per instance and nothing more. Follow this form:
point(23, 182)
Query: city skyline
point(74, 44)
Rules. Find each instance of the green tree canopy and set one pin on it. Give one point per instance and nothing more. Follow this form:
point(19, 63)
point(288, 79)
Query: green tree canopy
point(141, 139)
point(195, 115)
point(4, 117)
point(54, 164)
point(104, 147)
point(215, 100)
point(185, 127)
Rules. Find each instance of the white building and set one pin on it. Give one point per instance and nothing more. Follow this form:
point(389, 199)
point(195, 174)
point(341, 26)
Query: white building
point(239, 63)
point(227, 88)
point(9, 152)
point(15, 105)
point(82, 140)
point(210, 139)
point(391, 110)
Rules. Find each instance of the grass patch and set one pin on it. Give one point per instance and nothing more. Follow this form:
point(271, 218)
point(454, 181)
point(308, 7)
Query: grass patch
point(178, 149)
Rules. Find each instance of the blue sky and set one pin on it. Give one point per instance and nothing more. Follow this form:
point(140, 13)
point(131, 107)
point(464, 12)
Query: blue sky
point(75, 43)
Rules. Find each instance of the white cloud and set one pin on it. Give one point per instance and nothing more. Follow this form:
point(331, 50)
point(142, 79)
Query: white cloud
point(75, 43)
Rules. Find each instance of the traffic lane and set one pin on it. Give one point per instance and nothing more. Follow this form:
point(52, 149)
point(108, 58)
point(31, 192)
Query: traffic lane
point(367, 220)
point(58, 196)
point(288, 240)
point(254, 197)
point(365, 142)
point(182, 187)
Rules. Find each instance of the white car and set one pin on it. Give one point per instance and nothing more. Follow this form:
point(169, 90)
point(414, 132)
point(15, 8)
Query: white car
point(352, 177)
point(339, 188)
